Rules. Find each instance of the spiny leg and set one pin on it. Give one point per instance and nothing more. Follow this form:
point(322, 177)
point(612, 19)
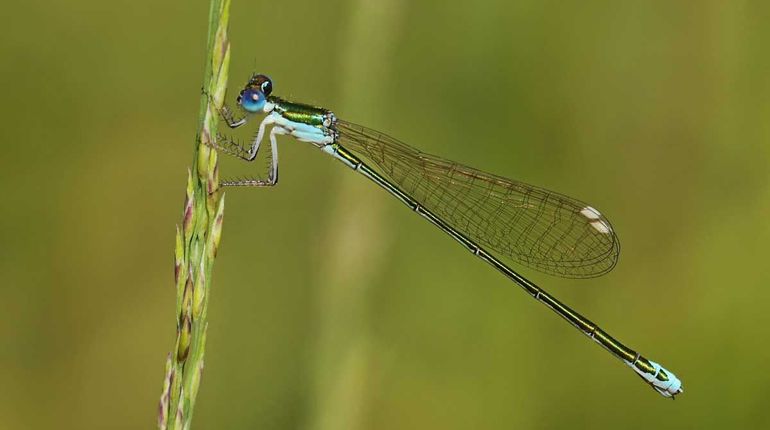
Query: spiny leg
point(270, 119)
point(230, 119)
point(245, 182)
point(244, 155)
point(251, 154)
point(232, 147)
point(274, 152)
point(229, 146)
point(226, 113)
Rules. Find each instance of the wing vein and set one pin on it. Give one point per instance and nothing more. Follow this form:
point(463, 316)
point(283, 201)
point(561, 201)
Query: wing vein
point(541, 229)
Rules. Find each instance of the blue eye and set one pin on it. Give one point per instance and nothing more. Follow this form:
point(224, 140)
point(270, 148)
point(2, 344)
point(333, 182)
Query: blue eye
point(252, 100)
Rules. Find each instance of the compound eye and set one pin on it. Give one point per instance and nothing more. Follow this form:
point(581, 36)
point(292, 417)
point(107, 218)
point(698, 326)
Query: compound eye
point(267, 86)
point(252, 100)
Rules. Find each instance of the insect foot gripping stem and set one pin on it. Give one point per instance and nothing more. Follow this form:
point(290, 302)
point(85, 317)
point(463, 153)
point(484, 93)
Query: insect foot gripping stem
point(660, 379)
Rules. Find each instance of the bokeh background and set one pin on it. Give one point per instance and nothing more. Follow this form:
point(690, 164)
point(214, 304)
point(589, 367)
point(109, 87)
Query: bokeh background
point(332, 306)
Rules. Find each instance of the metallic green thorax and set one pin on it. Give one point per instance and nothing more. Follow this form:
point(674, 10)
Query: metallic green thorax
point(302, 113)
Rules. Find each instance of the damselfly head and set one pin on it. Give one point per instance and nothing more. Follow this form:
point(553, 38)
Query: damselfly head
point(254, 95)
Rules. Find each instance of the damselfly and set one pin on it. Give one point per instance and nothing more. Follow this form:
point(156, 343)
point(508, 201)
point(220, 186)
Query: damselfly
point(495, 218)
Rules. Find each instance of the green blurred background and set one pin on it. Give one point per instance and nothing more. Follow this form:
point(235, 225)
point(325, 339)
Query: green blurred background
point(655, 112)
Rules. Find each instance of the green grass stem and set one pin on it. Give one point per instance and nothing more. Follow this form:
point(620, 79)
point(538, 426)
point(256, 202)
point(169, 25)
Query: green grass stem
point(197, 239)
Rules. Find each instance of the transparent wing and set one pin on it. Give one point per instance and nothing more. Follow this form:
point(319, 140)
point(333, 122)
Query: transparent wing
point(538, 228)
